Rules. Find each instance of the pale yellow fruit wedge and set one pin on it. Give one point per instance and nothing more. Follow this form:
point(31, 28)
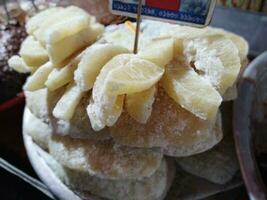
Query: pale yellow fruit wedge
point(216, 59)
point(40, 33)
point(159, 51)
point(240, 42)
point(116, 111)
point(139, 105)
point(101, 104)
point(185, 33)
point(63, 49)
point(107, 115)
point(136, 76)
point(37, 80)
point(61, 76)
point(66, 28)
point(94, 58)
point(124, 74)
point(61, 16)
point(122, 36)
point(18, 64)
point(36, 21)
point(33, 53)
point(191, 91)
point(67, 104)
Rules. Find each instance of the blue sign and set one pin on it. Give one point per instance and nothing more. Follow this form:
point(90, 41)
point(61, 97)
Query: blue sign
point(192, 12)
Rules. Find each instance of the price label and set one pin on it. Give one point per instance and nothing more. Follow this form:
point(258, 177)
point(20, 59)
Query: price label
point(191, 12)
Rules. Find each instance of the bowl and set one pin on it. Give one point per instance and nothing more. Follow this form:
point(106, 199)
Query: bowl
point(249, 121)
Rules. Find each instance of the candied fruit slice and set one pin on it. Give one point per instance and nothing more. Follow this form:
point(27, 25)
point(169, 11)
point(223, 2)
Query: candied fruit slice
point(216, 58)
point(191, 91)
point(61, 76)
point(94, 58)
point(139, 105)
point(37, 80)
point(33, 53)
point(124, 74)
point(67, 104)
point(159, 51)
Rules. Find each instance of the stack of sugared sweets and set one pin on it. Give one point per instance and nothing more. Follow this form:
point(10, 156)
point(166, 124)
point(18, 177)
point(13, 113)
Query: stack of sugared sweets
point(110, 117)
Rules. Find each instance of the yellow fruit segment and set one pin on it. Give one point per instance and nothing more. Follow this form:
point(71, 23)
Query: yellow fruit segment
point(139, 105)
point(136, 76)
point(94, 58)
point(61, 76)
point(107, 114)
point(124, 74)
point(58, 52)
point(37, 80)
point(191, 91)
point(240, 42)
point(122, 36)
point(66, 32)
point(216, 59)
point(159, 51)
point(18, 64)
point(61, 16)
point(67, 28)
point(116, 111)
point(100, 107)
point(36, 21)
point(33, 53)
point(66, 106)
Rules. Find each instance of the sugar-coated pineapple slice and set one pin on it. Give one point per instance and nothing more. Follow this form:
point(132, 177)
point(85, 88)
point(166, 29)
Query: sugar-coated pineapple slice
point(216, 58)
point(185, 33)
point(139, 105)
point(122, 36)
point(94, 58)
point(61, 76)
point(18, 64)
point(136, 76)
point(101, 104)
point(124, 74)
point(67, 32)
point(33, 53)
point(37, 80)
point(240, 42)
point(159, 51)
point(108, 114)
point(191, 91)
point(66, 28)
point(116, 111)
point(61, 16)
point(65, 107)
point(36, 21)
point(63, 49)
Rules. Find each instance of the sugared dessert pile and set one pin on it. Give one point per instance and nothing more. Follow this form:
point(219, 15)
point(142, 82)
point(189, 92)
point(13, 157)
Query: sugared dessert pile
point(109, 116)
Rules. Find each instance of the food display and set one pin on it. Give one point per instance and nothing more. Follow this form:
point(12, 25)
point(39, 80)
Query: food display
point(114, 121)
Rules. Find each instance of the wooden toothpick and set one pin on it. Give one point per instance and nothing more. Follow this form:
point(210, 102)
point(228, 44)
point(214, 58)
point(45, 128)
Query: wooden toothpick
point(137, 30)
